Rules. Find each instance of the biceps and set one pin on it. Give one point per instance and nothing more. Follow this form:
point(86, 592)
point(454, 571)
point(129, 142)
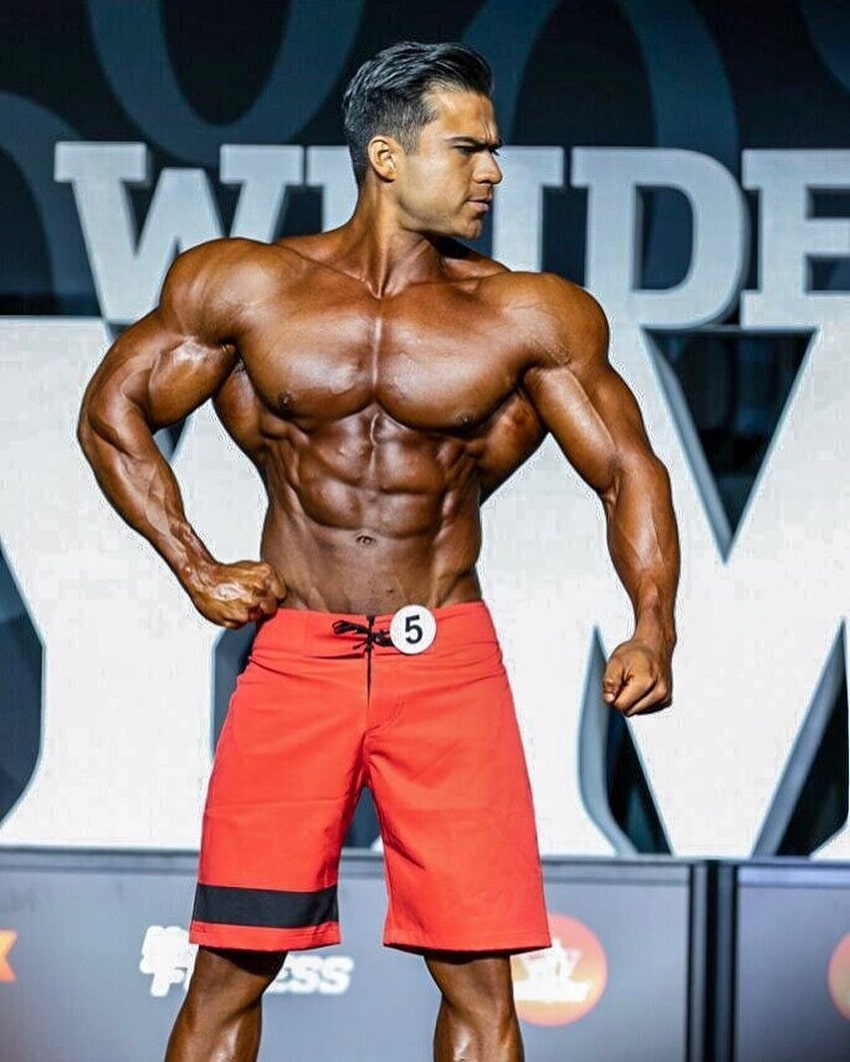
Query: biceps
point(154, 372)
point(596, 422)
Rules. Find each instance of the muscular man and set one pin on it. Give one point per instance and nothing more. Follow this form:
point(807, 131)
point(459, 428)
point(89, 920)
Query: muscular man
point(384, 380)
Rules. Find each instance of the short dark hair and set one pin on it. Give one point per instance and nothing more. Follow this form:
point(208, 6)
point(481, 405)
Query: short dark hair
point(387, 94)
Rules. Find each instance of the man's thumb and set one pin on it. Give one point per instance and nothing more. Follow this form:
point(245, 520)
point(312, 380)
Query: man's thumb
point(612, 680)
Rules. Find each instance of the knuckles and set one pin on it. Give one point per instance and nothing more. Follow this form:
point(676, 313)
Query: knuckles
point(237, 594)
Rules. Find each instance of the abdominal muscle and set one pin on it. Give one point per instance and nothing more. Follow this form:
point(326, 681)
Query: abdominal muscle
point(369, 526)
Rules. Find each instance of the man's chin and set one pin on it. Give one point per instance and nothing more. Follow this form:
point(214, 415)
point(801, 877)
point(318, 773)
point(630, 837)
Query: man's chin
point(470, 230)
point(465, 231)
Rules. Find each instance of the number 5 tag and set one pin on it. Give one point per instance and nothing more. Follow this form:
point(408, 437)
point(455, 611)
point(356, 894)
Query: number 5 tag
point(412, 629)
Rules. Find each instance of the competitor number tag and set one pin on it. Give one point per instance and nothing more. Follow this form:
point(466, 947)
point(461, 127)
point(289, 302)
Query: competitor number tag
point(412, 629)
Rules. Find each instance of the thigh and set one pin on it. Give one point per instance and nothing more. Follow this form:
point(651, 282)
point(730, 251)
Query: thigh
point(454, 802)
point(292, 734)
point(285, 781)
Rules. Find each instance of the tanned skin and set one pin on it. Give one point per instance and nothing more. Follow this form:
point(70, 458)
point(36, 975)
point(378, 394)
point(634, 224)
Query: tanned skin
point(384, 380)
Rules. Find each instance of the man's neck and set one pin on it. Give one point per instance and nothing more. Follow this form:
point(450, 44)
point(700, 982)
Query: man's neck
point(377, 248)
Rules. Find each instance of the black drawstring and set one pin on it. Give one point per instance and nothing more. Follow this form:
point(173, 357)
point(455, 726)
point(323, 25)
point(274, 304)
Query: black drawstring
point(370, 635)
point(370, 638)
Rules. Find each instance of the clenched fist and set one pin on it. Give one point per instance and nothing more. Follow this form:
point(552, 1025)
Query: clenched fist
point(637, 679)
point(232, 595)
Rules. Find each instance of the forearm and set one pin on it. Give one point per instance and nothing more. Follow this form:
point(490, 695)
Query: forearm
point(140, 485)
point(644, 546)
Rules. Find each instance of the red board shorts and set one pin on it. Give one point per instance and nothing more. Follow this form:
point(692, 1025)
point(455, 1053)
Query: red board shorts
point(316, 716)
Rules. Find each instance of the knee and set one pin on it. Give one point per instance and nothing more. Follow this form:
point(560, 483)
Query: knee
point(480, 992)
point(478, 1023)
point(483, 1006)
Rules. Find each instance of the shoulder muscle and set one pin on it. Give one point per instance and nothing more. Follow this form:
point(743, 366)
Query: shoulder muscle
point(561, 324)
point(208, 288)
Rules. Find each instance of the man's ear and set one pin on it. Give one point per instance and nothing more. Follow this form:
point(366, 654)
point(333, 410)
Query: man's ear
point(383, 154)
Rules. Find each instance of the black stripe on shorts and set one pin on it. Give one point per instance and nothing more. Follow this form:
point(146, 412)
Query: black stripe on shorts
point(269, 908)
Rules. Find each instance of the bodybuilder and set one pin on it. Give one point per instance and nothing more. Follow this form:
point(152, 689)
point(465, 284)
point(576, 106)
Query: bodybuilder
point(384, 380)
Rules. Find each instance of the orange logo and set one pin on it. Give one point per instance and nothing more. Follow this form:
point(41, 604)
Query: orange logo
point(563, 983)
point(839, 976)
point(7, 942)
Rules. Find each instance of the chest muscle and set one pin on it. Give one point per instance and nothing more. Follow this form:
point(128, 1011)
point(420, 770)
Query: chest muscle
point(432, 364)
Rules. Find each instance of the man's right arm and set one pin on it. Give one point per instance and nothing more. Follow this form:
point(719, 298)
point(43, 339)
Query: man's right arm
point(155, 374)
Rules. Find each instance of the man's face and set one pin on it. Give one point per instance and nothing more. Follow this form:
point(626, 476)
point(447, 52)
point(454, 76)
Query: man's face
point(445, 186)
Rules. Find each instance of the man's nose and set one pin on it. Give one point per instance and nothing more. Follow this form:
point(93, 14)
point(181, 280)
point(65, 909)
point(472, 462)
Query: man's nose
point(489, 171)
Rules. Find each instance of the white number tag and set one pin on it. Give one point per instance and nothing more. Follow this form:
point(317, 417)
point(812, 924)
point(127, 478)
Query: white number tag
point(413, 629)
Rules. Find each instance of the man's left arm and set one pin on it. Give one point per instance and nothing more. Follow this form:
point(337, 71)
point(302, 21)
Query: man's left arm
point(596, 421)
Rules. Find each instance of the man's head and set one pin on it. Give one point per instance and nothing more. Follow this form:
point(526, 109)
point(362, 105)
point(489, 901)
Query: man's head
point(388, 94)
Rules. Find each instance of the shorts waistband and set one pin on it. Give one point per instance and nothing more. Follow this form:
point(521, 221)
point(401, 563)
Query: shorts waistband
point(314, 633)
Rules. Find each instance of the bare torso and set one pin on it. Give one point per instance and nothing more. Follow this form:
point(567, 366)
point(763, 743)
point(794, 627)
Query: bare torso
point(378, 424)
point(382, 400)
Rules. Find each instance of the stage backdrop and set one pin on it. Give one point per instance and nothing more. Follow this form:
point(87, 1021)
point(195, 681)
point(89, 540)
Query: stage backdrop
point(689, 162)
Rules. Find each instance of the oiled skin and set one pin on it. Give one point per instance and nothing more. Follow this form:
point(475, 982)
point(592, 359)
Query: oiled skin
point(379, 423)
point(384, 381)
point(377, 453)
